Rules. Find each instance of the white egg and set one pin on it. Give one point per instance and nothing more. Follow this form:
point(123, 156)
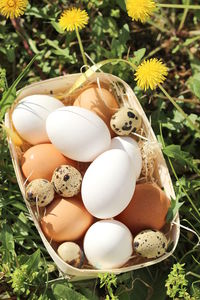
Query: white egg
point(29, 117)
point(108, 184)
point(108, 244)
point(131, 147)
point(78, 133)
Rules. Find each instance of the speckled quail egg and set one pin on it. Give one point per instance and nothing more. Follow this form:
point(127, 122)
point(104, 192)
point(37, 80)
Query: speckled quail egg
point(150, 243)
point(125, 121)
point(40, 192)
point(71, 253)
point(66, 181)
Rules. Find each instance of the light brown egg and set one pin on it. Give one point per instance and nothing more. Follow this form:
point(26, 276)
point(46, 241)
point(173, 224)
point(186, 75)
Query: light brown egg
point(41, 160)
point(66, 220)
point(101, 102)
point(147, 209)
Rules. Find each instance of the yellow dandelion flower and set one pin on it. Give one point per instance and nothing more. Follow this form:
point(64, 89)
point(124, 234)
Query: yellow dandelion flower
point(140, 10)
point(150, 73)
point(73, 18)
point(13, 8)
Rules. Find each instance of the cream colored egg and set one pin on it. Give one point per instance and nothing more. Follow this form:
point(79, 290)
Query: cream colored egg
point(150, 243)
point(125, 121)
point(40, 192)
point(71, 253)
point(66, 181)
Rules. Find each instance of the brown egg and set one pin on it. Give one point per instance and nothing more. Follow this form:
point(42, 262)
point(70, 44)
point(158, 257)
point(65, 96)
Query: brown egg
point(147, 209)
point(66, 220)
point(41, 160)
point(101, 102)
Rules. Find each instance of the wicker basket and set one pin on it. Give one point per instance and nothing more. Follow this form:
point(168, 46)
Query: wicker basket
point(57, 86)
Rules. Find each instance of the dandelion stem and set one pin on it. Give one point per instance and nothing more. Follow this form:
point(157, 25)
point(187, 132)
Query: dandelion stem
point(179, 109)
point(181, 6)
point(81, 47)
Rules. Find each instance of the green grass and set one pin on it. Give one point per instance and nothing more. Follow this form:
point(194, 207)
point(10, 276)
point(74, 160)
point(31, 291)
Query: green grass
point(26, 269)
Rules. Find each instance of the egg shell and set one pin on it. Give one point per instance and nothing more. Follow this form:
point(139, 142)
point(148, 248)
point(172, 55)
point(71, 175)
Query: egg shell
point(71, 253)
point(40, 161)
point(40, 192)
point(150, 243)
point(78, 133)
point(108, 244)
point(108, 184)
point(66, 181)
point(147, 209)
point(125, 121)
point(66, 219)
point(100, 101)
point(30, 114)
point(129, 145)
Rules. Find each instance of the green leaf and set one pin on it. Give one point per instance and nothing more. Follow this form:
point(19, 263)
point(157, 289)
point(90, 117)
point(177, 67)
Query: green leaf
point(33, 262)
point(195, 119)
point(34, 11)
point(110, 27)
point(194, 84)
point(62, 292)
point(118, 46)
point(195, 64)
point(8, 245)
point(117, 49)
point(115, 13)
point(33, 46)
point(3, 50)
point(124, 34)
point(57, 27)
point(19, 205)
point(121, 4)
point(104, 25)
point(89, 294)
point(189, 41)
point(138, 55)
point(3, 82)
point(182, 157)
point(10, 94)
point(10, 52)
point(174, 208)
point(61, 52)
point(196, 290)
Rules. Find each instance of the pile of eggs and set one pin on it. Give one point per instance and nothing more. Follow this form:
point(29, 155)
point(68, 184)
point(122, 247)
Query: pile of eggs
point(83, 179)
